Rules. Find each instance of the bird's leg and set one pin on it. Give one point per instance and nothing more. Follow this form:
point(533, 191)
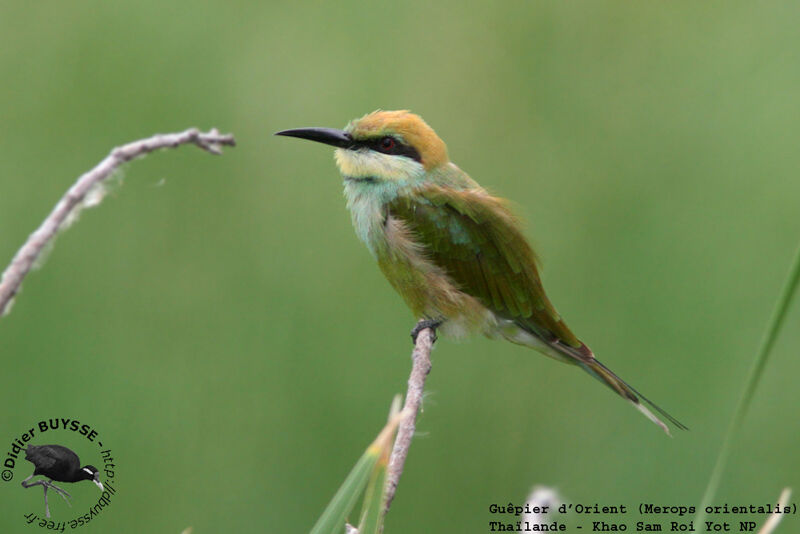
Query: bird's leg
point(46, 506)
point(26, 484)
point(433, 324)
point(45, 484)
point(64, 495)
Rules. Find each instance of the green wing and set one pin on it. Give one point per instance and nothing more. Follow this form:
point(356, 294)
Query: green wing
point(477, 241)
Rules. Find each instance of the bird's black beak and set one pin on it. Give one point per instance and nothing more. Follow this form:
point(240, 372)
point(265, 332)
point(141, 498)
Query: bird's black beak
point(329, 136)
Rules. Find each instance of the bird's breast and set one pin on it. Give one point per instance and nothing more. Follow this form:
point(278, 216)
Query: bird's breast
point(368, 213)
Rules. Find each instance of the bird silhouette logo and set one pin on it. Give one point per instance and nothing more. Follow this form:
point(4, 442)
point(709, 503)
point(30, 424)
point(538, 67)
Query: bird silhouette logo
point(57, 464)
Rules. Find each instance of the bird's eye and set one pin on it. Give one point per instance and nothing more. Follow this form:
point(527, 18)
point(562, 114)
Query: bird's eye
point(387, 143)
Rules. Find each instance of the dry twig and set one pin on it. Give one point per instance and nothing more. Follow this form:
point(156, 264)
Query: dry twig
point(416, 383)
point(81, 193)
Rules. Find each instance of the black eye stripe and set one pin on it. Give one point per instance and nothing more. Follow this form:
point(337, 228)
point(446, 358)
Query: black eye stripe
point(399, 148)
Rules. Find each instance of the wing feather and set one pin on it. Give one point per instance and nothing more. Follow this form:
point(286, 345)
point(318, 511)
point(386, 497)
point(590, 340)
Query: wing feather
point(475, 238)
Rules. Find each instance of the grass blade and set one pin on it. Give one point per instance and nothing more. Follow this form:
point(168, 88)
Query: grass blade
point(764, 350)
point(372, 512)
point(772, 523)
point(333, 519)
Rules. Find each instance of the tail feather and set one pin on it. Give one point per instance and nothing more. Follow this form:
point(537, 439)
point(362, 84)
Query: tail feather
point(583, 356)
point(595, 368)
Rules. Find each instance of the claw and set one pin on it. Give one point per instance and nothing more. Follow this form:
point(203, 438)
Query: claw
point(47, 484)
point(433, 324)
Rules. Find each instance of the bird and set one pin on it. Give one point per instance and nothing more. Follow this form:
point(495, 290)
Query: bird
point(58, 463)
point(455, 253)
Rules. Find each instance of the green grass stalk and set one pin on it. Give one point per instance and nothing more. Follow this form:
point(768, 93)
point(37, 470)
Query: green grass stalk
point(767, 342)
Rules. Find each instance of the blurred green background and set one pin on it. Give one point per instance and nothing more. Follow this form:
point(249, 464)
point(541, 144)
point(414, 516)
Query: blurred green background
point(218, 322)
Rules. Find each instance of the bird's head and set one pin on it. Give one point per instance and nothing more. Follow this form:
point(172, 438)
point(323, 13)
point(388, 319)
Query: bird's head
point(90, 472)
point(381, 146)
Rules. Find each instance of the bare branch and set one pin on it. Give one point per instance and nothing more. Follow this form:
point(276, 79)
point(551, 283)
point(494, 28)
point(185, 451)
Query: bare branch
point(80, 195)
point(416, 383)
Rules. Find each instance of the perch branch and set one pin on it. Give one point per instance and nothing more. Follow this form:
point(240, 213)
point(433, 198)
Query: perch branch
point(79, 195)
point(420, 368)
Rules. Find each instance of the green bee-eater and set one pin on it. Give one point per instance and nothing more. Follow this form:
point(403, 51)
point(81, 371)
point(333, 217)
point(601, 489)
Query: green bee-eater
point(455, 253)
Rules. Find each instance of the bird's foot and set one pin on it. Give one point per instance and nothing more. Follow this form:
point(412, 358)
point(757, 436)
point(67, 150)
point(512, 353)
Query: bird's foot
point(433, 324)
point(64, 495)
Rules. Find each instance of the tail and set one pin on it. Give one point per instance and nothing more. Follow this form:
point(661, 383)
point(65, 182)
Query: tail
point(523, 335)
point(593, 366)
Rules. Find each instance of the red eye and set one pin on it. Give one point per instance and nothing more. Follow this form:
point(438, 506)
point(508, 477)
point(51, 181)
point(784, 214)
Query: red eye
point(387, 143)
